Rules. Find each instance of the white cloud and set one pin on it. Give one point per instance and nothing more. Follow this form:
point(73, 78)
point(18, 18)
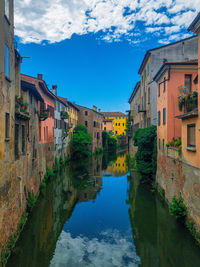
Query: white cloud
point(57, 20)
point(112, 250)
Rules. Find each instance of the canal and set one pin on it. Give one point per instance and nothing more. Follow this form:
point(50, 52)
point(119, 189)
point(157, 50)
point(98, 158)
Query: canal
point(96, 214)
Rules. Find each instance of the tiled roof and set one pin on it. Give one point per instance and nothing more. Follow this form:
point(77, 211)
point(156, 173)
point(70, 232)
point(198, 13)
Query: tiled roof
point(63, 99)
point(113, 114)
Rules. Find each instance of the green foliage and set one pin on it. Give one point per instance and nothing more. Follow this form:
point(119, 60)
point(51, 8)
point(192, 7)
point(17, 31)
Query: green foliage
point(130, 162)
point(177, 208)
point(191, 227)
point(112, 142)
point(80, 142)
point(56, 167)
point(109, 141)
point(31, 201)
point(175, 143)
point(99, 150)
point(180, 150)
point(162, 192)
point(145, 140)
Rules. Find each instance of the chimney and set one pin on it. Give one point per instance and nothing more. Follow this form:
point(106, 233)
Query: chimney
point(39, 76)
point(54, 89)
point(94, 108)
point(99, 110)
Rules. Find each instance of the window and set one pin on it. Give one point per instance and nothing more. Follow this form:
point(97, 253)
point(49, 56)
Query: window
point(16, 141)
point(7, 8)
point(86, 113)
point(138, 108)
point(163, 144)
point(158, 118)
point(119, 124)
point(123, 124)
point(7, 125)
point(191, 135)
point(98, 136)
point(94, 124)
point(86, 124)
point(23, 139)
point(116, 124)
point(164, 115)
point(164, 86)
point(104, 128)
point(7, 62)
point(115, 132)
point(159, 90)
point(44, 134)
point(188, 81)
point(149, 95)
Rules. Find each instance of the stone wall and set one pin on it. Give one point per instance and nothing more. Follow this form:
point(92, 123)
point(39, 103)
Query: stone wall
point(177, 177)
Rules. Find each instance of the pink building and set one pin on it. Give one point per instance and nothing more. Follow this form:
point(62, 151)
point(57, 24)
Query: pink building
point(172, 80)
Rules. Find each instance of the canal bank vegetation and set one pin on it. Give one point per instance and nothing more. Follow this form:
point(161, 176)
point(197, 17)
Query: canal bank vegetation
point(80, 142)
point(109, 141)
point(146, 155)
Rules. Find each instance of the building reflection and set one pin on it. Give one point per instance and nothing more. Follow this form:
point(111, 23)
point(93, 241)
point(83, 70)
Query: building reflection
point(119, 167)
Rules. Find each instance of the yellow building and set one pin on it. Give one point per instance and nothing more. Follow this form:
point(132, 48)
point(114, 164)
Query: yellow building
point(119, 119)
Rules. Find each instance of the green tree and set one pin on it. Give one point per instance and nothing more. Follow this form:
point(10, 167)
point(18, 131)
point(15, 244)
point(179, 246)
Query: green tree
point(145, 140)
point(80, 142)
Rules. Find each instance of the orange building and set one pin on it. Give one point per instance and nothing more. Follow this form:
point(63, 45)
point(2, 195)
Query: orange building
point(172, 80)
point(108, 125)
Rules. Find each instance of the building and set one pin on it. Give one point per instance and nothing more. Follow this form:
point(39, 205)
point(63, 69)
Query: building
point(172, 79)
point(108, 125)
point(46, 119)
point(119, 119)
point(135, 115)
point(93, 119)
point(186, 49)
point(73, 112)
point(60, 125)
point(10, 209)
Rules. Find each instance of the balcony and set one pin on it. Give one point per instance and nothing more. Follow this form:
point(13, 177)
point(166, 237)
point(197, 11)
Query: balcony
point(21, 109)
point(64, 115)
point(44, 114)
point(188, 103)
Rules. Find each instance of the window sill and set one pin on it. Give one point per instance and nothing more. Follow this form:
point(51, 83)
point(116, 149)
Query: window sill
point(7, 139)
point(190, 148)
point(7, 79)
point(7, 19)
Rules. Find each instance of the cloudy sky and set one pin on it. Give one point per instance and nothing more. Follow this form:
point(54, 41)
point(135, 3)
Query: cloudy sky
point(93, 48)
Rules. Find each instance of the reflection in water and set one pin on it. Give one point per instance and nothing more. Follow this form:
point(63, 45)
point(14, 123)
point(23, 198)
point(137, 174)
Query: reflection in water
point(112, 249)
point(160, 240)
point(85, 218)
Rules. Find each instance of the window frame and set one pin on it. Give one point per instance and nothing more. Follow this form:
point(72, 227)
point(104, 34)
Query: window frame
point(7, 126)
point(159, 116)
point(188, 135)
point(164, 116)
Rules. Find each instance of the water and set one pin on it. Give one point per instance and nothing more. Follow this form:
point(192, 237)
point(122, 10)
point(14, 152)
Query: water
point(95, 214)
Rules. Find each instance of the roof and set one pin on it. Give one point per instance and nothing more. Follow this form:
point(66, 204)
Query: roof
point(31, 87)
point(73, 105)
point(41, 83)
point(178, 63)
point(194, 27)
point(79, 106)
point(148, 52)
point(60, 100)
point(113, 114)
point(137, 86)
point(107, 120)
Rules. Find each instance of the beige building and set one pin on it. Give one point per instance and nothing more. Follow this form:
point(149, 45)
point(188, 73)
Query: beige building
point(108, 125)
point(93, 119)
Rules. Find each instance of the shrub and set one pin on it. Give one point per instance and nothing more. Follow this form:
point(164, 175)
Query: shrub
point(177, 208)
point(99, 150)
point(31, 201)
point(80, 142)
point(112, 142)
point(145, 140)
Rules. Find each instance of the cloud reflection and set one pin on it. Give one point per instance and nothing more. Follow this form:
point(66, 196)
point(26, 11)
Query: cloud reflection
point(111, 250)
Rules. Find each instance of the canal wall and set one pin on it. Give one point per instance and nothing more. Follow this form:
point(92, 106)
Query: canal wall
point(21, 176)
point(176, 176)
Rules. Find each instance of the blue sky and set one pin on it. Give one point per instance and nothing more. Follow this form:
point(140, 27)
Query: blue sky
point(92, 49)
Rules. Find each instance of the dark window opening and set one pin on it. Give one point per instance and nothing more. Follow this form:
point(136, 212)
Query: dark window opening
point(7, 125)
point(16, 141)
point(191, 135)
point(23, 139)
point(164, 115)
point(188, 82)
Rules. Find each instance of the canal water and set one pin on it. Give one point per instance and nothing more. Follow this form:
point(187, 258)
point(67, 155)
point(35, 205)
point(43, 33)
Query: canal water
point(96, 214)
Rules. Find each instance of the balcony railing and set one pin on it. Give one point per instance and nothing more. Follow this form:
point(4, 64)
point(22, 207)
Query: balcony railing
point(188, 102)
point(64, 115)
point(44, 114)
point(21, 108)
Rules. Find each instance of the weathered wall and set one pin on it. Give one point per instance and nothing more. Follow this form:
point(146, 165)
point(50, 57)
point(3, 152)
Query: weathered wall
point(176, 177)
